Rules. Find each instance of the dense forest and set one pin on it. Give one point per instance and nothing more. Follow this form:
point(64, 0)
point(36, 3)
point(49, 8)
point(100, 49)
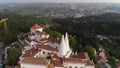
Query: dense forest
point(83, 30)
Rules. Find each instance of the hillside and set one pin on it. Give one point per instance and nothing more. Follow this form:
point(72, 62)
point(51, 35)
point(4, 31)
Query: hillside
point(86, 29)
point(83, 30)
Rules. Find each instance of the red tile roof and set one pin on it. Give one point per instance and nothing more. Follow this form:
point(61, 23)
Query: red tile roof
point(30, 53)
point(53, 40)
point(73, 60)
point(57, 63)
point(48, 48)
point(82, 55)
point(36, 26)
point(51, 65)
point(89, 62)
point(32, 60)
point(54, 55)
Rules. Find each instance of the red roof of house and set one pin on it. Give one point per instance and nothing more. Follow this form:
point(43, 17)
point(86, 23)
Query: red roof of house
point(32, 60)
point(53, 40)
point(48, 48)
point(57, 63)
point(36, 26)
point(89, 62)
point(82, 55)
point(73, 60)
point(54, 55)
point(30, 53)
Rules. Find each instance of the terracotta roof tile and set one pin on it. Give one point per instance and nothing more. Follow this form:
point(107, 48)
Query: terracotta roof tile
point(32, 60)
point(48, 48)
point(89, 62)
point(54, 55)
point(36, 26)
point(51, 65)
point(52, 39)
point(30, 53)
point(57, 63)
point(82, 55)
point(73, 60)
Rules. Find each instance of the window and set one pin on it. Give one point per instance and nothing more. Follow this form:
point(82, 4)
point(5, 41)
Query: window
point(76, 67)
point(48, 53)
point(43, 52)
point(70, 66)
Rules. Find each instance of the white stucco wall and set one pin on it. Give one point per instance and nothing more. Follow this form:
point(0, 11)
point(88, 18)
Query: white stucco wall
point(90, 66)
point(32, 37)
point(73, 65)
point(32, 30)
point(40, 29)
point(59, 67)
point(23, 65)
point(54, 45)
point(46, 53)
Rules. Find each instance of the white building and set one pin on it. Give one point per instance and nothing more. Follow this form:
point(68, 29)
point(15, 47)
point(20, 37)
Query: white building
point(30, 62)
point(41, 46)
point(73, 63)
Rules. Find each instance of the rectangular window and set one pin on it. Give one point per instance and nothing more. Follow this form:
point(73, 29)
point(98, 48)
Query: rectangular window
point(70, 66)
point(43, 52)
point(76, 67)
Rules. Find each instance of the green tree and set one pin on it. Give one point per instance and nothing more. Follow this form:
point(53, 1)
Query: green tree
point(112, 62)
point(13, 55)
point(73, 44)
point(91, 53)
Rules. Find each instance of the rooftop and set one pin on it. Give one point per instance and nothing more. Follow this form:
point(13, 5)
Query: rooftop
point(73, 60)
point(31, 60)
point(36, 26)
point(89, 62)
point(57, 63)
point(52, 39)
point(48, 48)
point(82, 55)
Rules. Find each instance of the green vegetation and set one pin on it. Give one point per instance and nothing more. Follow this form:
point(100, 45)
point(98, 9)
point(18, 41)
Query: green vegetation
point(13, 54)
point(53, 33)
point(91, 52)
point(112, 62)
point(83, 31)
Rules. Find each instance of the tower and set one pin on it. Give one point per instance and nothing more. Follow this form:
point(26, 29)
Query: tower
point(62, 49)
point(67, 42)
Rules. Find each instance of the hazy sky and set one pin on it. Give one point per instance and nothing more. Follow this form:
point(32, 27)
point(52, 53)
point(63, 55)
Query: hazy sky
point(59, 1)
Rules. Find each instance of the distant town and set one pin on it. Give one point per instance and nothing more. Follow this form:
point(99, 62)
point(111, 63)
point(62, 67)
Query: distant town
point(59, 35)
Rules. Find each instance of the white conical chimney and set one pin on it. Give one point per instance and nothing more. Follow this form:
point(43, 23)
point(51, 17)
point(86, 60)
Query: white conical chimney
point(67, 42)
point(73, 53)
point(62, 49)
point(76, 53)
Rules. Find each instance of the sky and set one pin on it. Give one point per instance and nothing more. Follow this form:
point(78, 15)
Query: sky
point(60, 1)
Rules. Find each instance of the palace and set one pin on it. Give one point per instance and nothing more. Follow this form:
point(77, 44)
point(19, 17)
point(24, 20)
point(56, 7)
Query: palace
point(45, 51)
